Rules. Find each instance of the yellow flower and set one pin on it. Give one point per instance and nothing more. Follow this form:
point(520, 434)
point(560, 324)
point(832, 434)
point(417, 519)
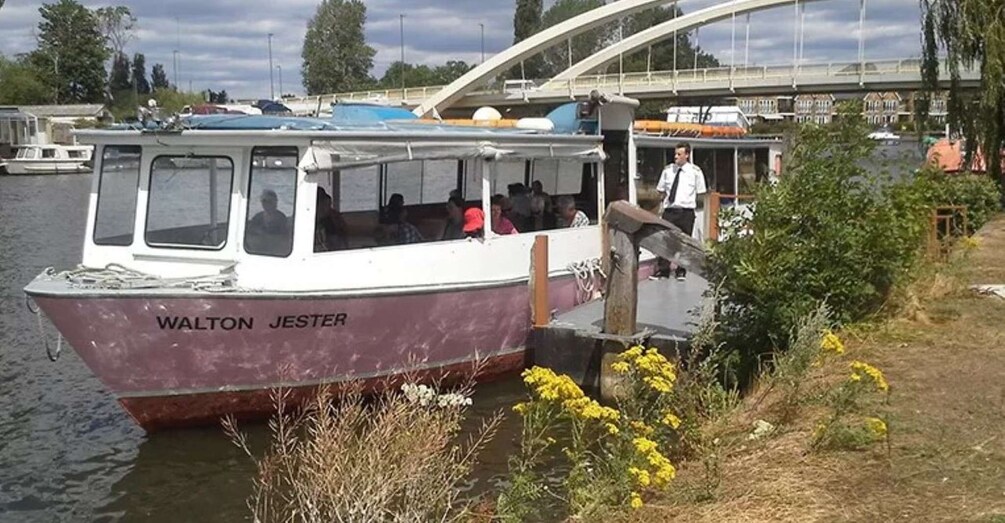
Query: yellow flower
point(612, 429)
point(831, 343)
point(875, 374)
point(877, 427)
point(636, 501)
point(632, 353)
point(641, 428)
point(640, 476)
point(548, 386)
point(855, 377)
point(670, 419)
point(621, 367)
point(644, 445)
point(586, 408)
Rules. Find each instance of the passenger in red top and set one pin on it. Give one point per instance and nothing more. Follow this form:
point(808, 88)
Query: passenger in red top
point(474, 223)
point(500, 223)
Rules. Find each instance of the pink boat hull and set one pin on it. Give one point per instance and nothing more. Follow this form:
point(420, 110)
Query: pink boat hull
point(189, 359)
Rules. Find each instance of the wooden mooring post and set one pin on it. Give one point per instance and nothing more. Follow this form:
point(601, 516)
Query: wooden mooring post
point(577, 347)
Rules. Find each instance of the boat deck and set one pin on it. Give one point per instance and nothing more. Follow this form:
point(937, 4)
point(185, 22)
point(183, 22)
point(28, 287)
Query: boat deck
point(667, 316)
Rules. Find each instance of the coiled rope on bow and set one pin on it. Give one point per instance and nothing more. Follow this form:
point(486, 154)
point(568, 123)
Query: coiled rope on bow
point(589, 279)
point(118, 277)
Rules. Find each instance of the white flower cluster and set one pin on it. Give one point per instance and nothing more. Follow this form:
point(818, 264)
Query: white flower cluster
point(426, 396)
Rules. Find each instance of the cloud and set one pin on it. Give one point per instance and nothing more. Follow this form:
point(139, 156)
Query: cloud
point(224, 45)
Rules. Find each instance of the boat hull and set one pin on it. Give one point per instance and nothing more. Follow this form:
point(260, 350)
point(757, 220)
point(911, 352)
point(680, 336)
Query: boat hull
point(191, 357)
point(24, 167)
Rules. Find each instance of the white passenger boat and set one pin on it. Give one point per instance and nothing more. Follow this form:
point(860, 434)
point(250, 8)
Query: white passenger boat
point(203, 286)
point(50, 159)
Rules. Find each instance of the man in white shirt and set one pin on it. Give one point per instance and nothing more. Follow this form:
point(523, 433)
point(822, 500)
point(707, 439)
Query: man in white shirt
point(680, 184)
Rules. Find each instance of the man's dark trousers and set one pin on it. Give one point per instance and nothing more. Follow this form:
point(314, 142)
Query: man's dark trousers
point(684, 220)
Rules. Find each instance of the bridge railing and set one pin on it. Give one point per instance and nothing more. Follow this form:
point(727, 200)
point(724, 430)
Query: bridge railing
point(625, 82)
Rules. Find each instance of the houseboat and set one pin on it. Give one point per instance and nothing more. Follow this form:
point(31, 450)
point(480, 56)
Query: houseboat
point(203, 285)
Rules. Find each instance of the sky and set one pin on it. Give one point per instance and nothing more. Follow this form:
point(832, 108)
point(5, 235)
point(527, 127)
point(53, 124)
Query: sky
point(223, 44)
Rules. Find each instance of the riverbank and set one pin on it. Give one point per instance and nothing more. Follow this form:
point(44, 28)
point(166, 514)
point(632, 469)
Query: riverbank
point(945, 459)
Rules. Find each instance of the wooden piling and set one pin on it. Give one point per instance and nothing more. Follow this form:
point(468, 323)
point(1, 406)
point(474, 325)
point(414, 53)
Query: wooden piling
point(539, 309)
point(623, 284)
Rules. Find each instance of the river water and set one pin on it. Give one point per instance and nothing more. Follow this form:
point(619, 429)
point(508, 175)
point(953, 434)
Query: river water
point(69, 453)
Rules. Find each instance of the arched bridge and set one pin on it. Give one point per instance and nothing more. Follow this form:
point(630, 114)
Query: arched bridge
point(577, 81)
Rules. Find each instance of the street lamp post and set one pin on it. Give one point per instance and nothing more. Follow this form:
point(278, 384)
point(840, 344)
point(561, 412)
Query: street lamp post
point(272, 88)
point(401, 29)
point(483, 41)
point(280, 68)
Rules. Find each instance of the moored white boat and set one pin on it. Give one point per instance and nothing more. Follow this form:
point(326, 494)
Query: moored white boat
point(50, 159)
point(203, 287)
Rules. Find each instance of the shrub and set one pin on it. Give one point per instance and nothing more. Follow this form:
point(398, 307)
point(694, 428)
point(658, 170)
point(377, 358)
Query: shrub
point(829, 231)
point(979, 193)
point(612, 456)
point(393, 457)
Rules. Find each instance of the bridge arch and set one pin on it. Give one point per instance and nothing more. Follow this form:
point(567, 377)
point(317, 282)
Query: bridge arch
point(666, 30)
point(531, 46)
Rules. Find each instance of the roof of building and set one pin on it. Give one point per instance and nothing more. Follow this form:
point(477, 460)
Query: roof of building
point(70, 111)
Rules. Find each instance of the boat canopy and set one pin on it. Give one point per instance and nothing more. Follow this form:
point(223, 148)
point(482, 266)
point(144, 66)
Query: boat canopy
point(331, 154)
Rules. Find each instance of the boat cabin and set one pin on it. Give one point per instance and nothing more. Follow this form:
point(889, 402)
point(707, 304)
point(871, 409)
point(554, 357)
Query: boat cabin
point(305, 205)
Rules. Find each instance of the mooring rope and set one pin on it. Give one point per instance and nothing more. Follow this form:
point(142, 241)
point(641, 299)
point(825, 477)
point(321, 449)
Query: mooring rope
point(35, 311)
point(588, 285)
point(116, 276)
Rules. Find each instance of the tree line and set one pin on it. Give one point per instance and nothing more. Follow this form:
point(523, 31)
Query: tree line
point(337, 58)
point(74, 45)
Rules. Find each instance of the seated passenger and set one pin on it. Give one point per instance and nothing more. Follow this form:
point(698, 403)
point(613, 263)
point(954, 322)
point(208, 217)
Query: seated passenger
point(571, 217)
point(540, 219)
point(398, 231)
point(396, 201)
point(269, 231)
point(520, 198)
point(500, 223)
point(537, 192)
point(474, 223)
point(270, 220)
point(454, 229)
point(329, 227)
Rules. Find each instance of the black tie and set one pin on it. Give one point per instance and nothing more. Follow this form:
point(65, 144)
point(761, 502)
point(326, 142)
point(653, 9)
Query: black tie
point(673, 188)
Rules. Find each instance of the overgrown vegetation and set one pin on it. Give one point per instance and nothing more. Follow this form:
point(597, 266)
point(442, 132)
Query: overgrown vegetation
point(393, 457)
point(831, 231)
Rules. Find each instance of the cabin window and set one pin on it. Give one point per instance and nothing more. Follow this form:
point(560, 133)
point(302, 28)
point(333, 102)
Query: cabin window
point(75, 154)
point(48, 153)
point(272, 188)
point(189, 202)
point(119, 179)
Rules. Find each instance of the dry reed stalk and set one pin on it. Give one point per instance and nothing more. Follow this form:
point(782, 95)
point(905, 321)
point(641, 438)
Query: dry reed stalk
point(350, 457)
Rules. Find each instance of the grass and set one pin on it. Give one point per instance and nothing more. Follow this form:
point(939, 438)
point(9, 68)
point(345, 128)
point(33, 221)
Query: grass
point(944, 357)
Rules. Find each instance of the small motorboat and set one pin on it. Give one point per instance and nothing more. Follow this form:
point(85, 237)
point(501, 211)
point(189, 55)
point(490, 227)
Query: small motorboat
point(50, 159)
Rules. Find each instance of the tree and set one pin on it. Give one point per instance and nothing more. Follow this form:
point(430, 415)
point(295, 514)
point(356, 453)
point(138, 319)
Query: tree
point(451, 71)
point(139, 74)
point(972, 32)
point(336, 56)
point(158, 78)
point(526, 22)
point(415, 76)
point(21, 84)
point(585, 44)
point(116, 25)
point(71, 51)
point(119, 79)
